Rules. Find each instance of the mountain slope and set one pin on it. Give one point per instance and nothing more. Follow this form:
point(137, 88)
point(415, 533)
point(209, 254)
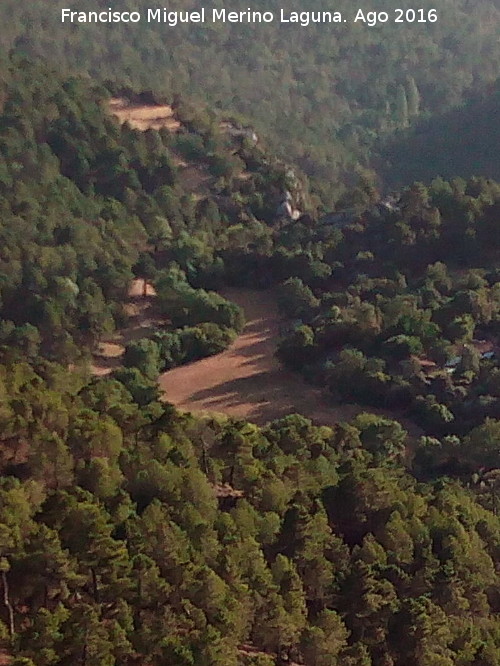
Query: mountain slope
point(321, 94)
point(463, 142)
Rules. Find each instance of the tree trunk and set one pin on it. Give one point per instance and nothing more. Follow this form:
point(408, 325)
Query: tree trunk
point(84, 651)
point(94, 585)
point(8, 605)
point(204, 456)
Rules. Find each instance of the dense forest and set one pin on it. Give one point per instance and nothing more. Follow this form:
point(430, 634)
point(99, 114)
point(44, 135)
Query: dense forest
point(132, 534)
point(321, 95)
point(86, 204)
point(408, 316)
point(464, 141)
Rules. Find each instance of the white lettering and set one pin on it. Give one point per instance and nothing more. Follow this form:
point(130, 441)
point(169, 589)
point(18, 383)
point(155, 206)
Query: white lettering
point(109, 16)
point(247, 16)
point(371, 18)
point(174, 18)
point(306, 18)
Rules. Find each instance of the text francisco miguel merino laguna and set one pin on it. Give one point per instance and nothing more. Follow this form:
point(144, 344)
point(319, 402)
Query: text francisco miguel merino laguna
point(173, 18)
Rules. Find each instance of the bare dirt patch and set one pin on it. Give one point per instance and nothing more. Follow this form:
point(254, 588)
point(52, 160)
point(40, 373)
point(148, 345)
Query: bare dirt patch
point(144, 116)
point(247, 381)
point(143, 321)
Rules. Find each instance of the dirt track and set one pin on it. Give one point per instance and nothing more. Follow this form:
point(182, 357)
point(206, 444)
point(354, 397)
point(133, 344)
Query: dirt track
point(246, 380)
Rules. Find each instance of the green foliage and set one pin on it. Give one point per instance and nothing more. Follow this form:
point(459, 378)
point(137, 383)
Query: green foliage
point(143, 355)
point(415, 330)
point(204, 541)
point(296, 299)
point(130, 533)
point(186, 306)
point(330, 127)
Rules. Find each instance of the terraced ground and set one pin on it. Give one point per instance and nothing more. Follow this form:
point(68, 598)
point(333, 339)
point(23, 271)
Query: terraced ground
point(144, 116)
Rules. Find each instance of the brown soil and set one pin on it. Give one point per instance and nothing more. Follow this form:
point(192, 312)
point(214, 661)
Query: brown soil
point(143, 321)
point(143, 117)
point(247, 381)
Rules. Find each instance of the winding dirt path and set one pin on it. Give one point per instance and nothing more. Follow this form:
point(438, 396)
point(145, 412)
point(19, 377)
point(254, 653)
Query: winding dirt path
point(247, 381)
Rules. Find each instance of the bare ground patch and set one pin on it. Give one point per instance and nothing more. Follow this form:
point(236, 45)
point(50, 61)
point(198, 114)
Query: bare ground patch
point(143, 321)
point(144, 116)
point(247, 381)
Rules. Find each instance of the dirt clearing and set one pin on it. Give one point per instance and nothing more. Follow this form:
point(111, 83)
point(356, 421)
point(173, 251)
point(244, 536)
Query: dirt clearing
point(143, 321)
point(143, 116)
point(247, 381)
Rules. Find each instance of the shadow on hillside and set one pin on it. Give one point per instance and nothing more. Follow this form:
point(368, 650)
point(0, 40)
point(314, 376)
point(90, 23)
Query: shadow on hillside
point(464, 142)
point(266, 393)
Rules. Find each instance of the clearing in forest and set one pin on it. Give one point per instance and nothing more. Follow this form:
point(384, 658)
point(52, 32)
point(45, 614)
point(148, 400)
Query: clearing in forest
point(247, 381)
point(193, 176)
point(143, 321)
point(144, 116)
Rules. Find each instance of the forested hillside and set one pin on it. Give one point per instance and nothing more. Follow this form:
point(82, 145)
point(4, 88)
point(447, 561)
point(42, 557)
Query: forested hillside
point(464, 141)
point(87, 204)
point(409, 315)
point(320, 94)
point(135, 535)
point(130, 534)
